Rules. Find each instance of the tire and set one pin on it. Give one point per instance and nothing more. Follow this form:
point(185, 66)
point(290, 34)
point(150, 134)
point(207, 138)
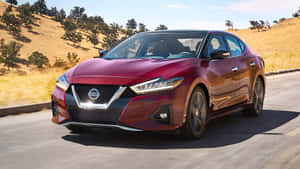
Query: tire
point(258, 95)
point(196, 118)
point(76, 129)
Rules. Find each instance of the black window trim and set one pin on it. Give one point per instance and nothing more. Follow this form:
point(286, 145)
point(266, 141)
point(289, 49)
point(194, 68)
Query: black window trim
point(239, 40)
point(203, 55)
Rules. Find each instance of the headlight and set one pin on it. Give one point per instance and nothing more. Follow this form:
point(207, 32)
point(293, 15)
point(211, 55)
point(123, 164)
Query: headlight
point(156, 85)
point(62, 82)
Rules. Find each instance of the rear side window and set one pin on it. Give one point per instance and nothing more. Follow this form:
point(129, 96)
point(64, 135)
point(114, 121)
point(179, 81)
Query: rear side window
point(216, 43)
point(242, 45)
point(234, 46)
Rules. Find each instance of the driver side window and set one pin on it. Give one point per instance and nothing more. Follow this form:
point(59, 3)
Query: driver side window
point(216, 43)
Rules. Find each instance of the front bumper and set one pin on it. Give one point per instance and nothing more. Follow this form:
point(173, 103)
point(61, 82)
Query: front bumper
point(101, 125)
point(131, 113)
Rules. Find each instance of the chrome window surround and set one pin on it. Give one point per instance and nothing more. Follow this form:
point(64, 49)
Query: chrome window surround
point(104, 106)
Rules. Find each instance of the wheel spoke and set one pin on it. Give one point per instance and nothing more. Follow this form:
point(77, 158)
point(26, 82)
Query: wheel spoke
point(258, 96)
point(198, 112)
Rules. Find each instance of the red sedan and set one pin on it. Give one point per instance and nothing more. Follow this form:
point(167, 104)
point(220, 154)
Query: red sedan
point(162, 81)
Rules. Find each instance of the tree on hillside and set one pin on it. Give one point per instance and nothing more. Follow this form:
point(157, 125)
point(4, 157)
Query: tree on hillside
point(9, 54)
point(73, 59)
point(25, 14)
point(12, 22)
point(115, 26)
point(94, 24)
point(60, 16)
point(109, 42)
point(69, 24)
point(282, 19)
point(73, 36)
point(262, 23)
point(297, 13)
point(275, 21)
point(142, 27)
point(77, 12)
point(255, 25)
point(93, 38)
point(131, 24)
point(12, 2)
point(40, 7)
point(38, 59)
point(161, 27)
point(229, 24)
point(53, 11)
point(111, 39)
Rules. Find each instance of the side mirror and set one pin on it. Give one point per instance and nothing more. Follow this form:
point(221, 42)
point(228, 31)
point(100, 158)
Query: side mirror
point(219, 54)
point(102, 52)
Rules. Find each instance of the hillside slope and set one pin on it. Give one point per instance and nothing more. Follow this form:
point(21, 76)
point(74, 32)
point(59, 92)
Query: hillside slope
point(46, 38)
point(280, 46)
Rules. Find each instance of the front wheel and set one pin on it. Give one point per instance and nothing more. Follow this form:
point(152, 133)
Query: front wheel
point(196, 118)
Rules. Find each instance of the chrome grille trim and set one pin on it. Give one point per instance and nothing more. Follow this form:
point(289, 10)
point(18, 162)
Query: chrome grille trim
point(89, 106)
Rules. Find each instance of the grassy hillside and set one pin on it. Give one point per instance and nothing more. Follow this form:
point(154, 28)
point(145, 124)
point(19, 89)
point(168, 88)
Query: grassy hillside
point(45, 37)
point(280, 47)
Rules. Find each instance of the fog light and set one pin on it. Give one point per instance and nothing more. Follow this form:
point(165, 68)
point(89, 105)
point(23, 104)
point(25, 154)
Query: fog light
point(163, 115)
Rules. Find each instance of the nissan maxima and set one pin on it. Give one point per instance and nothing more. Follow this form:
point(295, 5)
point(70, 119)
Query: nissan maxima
point(162, 81)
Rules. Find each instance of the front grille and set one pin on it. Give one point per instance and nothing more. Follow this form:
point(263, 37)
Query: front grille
point(94, 116)
point(106, 92)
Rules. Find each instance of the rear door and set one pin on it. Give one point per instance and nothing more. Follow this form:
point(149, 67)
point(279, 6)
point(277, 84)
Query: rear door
point(221, 74)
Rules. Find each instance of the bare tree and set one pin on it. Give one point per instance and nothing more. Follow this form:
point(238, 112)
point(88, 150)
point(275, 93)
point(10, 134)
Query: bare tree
point(229, 24)
point(162, 27)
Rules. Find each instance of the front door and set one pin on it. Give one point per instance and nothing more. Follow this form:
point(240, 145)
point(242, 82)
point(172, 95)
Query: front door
point(222, 75)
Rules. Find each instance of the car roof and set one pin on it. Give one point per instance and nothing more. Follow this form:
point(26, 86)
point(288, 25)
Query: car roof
point(179, 31)
point(188, 31)
point(191, 31)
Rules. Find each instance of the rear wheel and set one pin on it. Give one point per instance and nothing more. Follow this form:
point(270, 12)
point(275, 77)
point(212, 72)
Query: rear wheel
point(258, 99)
point(196, 118)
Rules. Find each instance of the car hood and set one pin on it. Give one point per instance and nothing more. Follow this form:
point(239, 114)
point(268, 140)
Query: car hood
point(125, 71)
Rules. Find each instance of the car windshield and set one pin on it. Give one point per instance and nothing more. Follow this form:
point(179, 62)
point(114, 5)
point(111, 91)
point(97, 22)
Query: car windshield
point(159, 46)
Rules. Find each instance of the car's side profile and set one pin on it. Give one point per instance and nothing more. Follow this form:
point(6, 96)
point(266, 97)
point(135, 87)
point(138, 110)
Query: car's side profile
point(162, 81)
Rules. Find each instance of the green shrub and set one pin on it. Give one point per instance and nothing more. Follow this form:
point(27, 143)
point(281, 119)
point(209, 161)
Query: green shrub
point(38, 59)
point(73, 36)
point(9, 54)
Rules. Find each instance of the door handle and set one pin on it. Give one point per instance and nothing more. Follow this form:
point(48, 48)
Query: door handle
point(252, 64)
point(235, 69)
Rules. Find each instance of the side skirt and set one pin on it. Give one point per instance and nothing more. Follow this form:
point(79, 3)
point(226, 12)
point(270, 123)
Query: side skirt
point(226, 111)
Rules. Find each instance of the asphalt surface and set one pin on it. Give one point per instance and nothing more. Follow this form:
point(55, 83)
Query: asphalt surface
point(271, 141)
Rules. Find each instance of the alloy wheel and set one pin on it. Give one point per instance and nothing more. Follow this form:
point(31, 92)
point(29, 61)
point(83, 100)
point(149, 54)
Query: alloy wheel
point(198, 110)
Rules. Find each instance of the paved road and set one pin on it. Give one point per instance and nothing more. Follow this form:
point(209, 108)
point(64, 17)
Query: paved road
point(270, 141)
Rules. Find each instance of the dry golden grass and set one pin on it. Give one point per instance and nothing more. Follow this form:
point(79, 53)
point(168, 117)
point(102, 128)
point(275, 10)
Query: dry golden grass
point(30, 88)
point(280, 46)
